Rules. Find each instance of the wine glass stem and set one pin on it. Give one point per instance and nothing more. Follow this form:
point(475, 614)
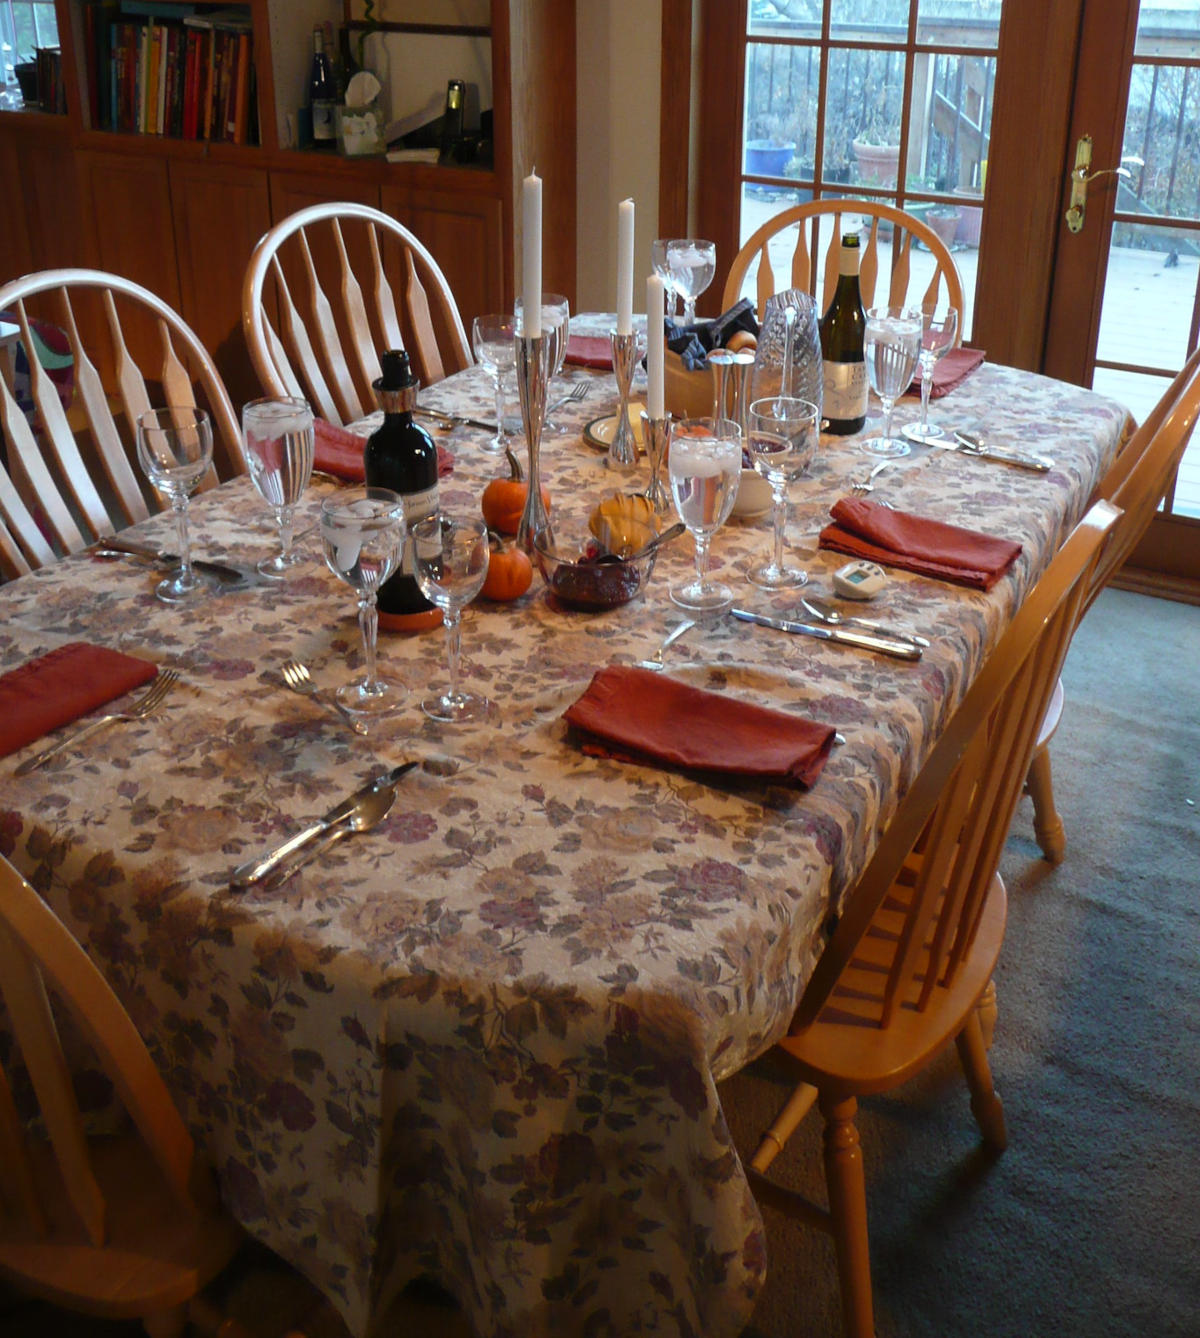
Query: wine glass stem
point(452, 620)
point(702, 542)
point(779, 512)
point(368, 625)
point(496, 376)
point(689, 311)
point(180, 506)
point(926, 386)
point(887, 417)
point(284, 518)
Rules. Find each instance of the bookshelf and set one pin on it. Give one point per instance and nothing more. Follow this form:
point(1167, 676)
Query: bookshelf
point(179, 211)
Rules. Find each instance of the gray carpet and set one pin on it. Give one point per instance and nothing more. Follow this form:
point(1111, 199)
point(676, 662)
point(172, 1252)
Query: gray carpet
point(1089, 1224)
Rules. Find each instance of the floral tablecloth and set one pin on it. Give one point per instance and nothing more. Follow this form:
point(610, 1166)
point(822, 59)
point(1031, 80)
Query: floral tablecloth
point(483, 1041)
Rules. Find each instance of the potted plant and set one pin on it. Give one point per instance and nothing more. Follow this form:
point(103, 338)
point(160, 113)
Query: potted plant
point(769, 150)
point(876, 145)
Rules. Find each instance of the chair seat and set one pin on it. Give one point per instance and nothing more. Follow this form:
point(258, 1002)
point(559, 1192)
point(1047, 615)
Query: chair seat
point(845, 1049)
point(158, 1252)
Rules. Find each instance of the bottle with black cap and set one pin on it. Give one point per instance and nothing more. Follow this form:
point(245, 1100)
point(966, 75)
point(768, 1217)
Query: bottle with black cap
point(401, 455)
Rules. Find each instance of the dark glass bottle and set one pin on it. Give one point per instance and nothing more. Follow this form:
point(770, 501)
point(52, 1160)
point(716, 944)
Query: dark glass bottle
point(452, 120)
point(322, 93)
point(347, 66)
point(842, 328)
point(401, 455)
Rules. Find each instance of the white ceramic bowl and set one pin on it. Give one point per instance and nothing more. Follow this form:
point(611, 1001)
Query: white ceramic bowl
point(754, 496)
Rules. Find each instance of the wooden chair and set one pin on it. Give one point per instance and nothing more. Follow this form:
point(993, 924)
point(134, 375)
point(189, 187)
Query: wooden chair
point(1136, 482)
point(72, 476)
point(919, 934)
point(811, 237)
point(123, 1227)
point(327, 348)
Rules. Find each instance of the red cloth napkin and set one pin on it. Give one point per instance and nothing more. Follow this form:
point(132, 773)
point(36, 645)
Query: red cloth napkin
point(338, 451)
point(636, 715)
point(61, 686)
point(589, 351)
point(950, 370)
point(914, 543)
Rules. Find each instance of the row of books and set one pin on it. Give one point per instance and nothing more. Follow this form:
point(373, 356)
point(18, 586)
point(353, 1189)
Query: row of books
point(52, 93)
point(189, 78)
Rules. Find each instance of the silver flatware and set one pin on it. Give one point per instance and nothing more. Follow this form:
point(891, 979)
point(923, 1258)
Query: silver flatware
point(255, 870)
point(232, 575)
point(826, 613)
point(656, 660)
point(579, 391)
point(448, 420)
point(370, 812)
point(867, 484)
point(145, 705)
point(296, 676)
point(671, 532)
point(901, 650)
point(969, 443)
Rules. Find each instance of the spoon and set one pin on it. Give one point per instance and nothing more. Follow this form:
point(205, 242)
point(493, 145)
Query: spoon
point(826, 613)
point(370, 811)
point(671, 532)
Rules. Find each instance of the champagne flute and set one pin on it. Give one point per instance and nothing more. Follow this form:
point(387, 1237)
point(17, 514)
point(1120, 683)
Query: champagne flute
point(452, 564)
point(492, 339)
point(938, 335)
point(362, 535)
point(705, 466)
point(782, 442)
point(692, 263)
point(891, 346)
point(556, 327)
point(175, 451)
point(278, 435)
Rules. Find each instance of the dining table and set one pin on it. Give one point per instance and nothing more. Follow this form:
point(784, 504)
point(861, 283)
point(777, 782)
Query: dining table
point(482, 1043)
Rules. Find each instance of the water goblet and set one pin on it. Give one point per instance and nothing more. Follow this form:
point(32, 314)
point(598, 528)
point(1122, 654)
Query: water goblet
point(556, 327)
point(938, 335)
point(362, 536)
point(705, 466)
point(891, 346)
point(782, 442)
point(658, 262)
point(692, 263)
point(452, 564)
point(174, 448)
point(278, 437)
point(492, 339)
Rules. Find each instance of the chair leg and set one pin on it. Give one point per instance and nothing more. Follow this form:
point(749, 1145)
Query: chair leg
point(785, 1124)
point(848, 1211)
point(1047, 825)
point(985, 1104)
point(988, 1011)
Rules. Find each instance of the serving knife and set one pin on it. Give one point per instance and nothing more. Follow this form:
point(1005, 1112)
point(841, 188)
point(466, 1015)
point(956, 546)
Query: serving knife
point(232, 575)
point(902, 650)
point(255, 870)
point(452, 419)
point(967, 443)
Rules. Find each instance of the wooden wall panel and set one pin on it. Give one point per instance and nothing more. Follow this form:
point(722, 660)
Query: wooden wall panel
point(16, 253)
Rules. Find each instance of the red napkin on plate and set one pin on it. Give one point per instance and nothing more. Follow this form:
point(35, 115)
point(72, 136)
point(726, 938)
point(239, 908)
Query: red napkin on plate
point(636, 715)
point(950, 370)
point(338, 451)
point(589, 351)
point(61, 686)
point(914, 543)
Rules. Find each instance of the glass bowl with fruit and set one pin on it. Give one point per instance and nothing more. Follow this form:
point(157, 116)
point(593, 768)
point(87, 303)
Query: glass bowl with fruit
point(601, 561)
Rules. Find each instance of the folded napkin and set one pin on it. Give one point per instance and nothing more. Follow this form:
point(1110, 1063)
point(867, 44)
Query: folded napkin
point(338, 451)
point(636, 715)
point(914, 543)
point(950, 370)
point(61, 686)
point(589, 351)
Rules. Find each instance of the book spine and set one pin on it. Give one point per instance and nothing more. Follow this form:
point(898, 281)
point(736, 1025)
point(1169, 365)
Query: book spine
point(160, 106)
point(188, 126)
point(210, 85)
point(241, 89)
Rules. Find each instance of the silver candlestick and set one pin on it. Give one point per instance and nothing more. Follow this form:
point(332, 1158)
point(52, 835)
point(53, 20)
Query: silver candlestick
point(622, 450)
point(656, 433)
point(532, 375)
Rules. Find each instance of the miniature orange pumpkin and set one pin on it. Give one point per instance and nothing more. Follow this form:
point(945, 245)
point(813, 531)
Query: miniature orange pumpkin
point(510, 573)
point(504, 499)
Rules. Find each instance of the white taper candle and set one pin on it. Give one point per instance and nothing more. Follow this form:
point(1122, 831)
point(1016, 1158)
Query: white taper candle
point(655, 343)
point(531, 266)
point(625, 267)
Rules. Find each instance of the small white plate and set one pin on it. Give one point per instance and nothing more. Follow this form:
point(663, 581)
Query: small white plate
point(599, 432)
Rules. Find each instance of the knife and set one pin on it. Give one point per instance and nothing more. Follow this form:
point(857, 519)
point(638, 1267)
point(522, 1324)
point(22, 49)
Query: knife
point(453, 419)
point(902, 650)
point(255, 870)
point(819, 609)
point(234, 575)
point(968, 444)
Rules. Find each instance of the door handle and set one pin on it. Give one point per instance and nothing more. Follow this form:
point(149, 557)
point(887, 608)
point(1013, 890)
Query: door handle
point(1081, 175)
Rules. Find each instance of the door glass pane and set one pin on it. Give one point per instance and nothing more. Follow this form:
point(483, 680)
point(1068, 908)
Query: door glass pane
point(1164, 108)
point(1149, 296)
point(1164, 24)
point(863, 102)
point(869, 20)
point(952, 23)
point(783, 84)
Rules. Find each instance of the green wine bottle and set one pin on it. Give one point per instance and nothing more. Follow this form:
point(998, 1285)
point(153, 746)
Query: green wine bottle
point(841, 327)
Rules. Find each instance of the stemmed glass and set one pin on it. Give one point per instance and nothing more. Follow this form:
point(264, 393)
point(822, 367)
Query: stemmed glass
point(782, 442)
point(452, 564)
point(362, 534)
point(492, 339)
point(692, 264)
point(175, 450)
point(705, 465)
point(556, 327)
point(937, 336)
point(278, 435)
point(891, 346)
point(658, 260)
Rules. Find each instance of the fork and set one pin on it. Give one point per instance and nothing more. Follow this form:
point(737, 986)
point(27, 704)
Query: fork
point(579, 391)
point(865, 485)
point(297, 677)
point(146, 704)
point(656, 660)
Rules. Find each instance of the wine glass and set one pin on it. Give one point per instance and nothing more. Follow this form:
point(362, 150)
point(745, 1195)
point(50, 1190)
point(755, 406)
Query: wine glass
point(492, 339)
point(175, 450)
point(891, 346)
point(658, 261)
point(278, 435)
point(452, 564)
point(692, 264)
point(556, 328)
point(705, 466)
point(782, 442)
point(938, 335)
point(362, 535)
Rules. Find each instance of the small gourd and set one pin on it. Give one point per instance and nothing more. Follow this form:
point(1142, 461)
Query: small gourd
point(504, 499)
point(510, 573)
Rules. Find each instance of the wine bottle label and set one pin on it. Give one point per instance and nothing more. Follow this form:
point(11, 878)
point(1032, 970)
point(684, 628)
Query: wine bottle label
point(322, 120)
point(418, 505)
point(845, 389)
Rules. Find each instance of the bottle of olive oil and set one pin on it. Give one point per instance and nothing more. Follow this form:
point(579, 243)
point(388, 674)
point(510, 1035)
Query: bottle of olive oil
point(841, 328)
